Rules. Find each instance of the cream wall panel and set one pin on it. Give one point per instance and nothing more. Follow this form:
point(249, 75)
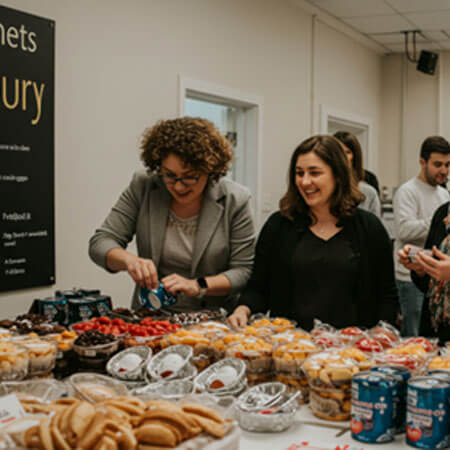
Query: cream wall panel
point(347, 78)
point(389, 165)
point(117, 66)
point(421, 116)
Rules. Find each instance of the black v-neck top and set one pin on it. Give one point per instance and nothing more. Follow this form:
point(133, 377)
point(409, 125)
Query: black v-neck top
point(327, 285)
point(272, 285)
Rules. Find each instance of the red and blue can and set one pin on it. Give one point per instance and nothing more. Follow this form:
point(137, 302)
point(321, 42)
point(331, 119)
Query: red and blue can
point(403, 375)
point(156, 298)
point(372, 412)
point(427, 413)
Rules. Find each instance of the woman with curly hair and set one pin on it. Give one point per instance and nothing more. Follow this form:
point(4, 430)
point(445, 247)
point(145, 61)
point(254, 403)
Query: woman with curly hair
point(320, 256)
point(194, 228)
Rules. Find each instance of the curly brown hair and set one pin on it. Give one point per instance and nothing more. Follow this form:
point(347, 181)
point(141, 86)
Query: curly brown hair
point(196, 141)
point(346, 196)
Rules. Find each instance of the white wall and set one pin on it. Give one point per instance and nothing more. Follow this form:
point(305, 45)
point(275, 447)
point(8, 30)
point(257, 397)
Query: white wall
point(347, 78)
point(117, 65)
point(414, 106)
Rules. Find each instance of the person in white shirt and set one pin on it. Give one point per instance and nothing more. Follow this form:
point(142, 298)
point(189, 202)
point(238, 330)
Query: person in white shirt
point(414, 204)
point(352, 149)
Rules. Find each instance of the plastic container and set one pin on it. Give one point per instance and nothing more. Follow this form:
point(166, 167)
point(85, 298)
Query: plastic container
point(130, 364)
point(168, 390)
point(14, 361)
point(95, 388)
point(330, 377)
point(257, 356)
point(94, 356)
point(41, 354)
point(266, 408)
point(226, 377)
point(200, 344)
point(288, 362)
point(168, 363)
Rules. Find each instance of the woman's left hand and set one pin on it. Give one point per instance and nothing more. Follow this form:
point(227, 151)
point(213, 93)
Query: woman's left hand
point(438, 268)
point(175, 284)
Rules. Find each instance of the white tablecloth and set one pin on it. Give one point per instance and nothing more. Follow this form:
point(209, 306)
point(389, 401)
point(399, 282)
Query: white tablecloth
point(316, 436)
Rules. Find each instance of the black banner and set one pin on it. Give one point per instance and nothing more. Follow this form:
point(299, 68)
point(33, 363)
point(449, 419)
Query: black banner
point(27, 54)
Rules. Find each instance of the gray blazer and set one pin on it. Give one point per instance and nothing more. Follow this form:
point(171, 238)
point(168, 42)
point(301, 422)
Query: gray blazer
point(224, 241)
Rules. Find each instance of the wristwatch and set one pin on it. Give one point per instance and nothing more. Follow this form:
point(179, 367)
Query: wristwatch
point(203, 285)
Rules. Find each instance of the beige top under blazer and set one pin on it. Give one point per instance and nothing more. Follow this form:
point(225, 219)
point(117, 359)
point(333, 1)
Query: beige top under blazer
point(224, 241)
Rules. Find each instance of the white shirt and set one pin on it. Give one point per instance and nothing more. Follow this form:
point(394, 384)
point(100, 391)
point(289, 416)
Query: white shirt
point(414, 205)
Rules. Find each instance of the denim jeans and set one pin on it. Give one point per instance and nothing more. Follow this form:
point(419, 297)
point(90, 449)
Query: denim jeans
point(411, 300)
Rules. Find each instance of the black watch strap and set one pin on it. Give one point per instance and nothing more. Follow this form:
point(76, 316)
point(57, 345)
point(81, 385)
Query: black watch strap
point(203, 285)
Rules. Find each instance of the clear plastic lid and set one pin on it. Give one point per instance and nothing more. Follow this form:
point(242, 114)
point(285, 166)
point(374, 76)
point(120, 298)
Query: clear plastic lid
point(297, 350)
point(168, 363)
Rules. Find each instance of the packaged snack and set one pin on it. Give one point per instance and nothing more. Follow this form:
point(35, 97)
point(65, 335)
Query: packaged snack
point(200, 344)
point(328, 340)
point(349, 335)
point(289, 336)
point(277, 324)
point(321, 327)
point(41, 353)
point(14, 361)
point(385, 334)
point(365, 362)
point(257, 355)
point(330, 377)
point(288, 362)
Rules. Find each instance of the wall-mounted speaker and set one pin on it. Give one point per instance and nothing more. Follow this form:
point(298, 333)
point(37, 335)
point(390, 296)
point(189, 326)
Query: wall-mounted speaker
point(427, 62)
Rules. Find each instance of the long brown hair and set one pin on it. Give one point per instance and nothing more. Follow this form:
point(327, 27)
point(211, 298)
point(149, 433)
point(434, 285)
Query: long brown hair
point(352, 143)
point(346, 196)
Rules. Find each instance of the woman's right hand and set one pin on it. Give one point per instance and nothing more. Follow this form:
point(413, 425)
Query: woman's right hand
point(403, 258)
point(143, 271)
point(239, 318)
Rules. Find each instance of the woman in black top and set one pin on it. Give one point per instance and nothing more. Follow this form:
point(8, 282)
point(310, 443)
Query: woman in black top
point(320, 256)
point(431, 276)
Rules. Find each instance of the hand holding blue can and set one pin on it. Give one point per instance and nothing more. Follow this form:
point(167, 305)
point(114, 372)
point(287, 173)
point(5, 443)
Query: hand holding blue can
point(156, 298)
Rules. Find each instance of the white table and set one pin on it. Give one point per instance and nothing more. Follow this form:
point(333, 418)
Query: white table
point(323, 436)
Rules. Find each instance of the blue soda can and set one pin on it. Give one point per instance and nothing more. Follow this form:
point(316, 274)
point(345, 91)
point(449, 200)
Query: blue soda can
point(372, 413)
point(156, 298)
point(403, 375)
point(427, 414)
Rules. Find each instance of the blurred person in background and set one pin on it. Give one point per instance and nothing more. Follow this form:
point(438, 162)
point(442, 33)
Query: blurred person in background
point(353, 151)
point(414, 204)
point(431, 274)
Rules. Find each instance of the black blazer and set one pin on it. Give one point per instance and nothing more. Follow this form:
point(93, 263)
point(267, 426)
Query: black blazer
point(271, 285)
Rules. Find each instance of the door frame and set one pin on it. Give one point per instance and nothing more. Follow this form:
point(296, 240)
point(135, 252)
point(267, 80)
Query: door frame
point(364, 124)
point(253, 123)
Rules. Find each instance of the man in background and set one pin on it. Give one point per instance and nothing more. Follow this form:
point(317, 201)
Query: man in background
point(414, 204)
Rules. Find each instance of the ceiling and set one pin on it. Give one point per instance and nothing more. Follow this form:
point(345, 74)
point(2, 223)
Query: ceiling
point(383, 21)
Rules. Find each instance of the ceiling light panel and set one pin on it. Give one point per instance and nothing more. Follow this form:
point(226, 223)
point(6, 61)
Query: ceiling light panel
point(352, 8)
point(418, 5)
point(400, 48)
point(431, 20)
point(394, 38)
point(435, 35)
point(379, 24)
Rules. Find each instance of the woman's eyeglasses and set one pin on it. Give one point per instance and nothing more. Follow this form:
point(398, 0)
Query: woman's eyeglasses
point(172, 179)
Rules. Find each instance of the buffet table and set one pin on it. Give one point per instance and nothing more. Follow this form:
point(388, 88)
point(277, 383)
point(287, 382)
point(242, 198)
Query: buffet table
point(321, 436)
